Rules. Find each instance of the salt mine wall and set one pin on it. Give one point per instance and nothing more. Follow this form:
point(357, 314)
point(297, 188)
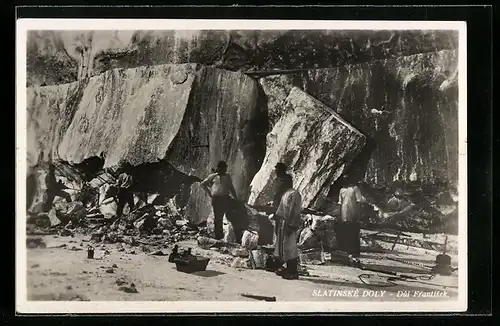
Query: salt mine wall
point(57, 57)
point(188, 115)
point(407, 106)
point(136, 100)
point(399, 88)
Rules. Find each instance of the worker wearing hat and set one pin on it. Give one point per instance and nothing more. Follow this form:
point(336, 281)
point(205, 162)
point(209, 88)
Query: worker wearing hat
point(221, 186)
point(282, 178)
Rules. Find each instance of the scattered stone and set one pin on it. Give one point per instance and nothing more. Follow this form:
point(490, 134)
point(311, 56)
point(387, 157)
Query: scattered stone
point(181, 223)
point(206, 243)
point(239, 262)
point(132, 252)
point(165, 223)
point(311, 257)
point(302, 270)
point(250, 240)
point(75, 248)
point(69, 287)
point(110, 270)
point(145, 249)
point(96, 237)
point(42, 220)
point(120, 281)
point(54, 220)
point(33, 243)
point(158, 253)
point(129, 289)
point(121, 249)
point(65, 233)
point(258, 259)
point(240, 252)
point(64, 245)
point(157, 231)
point(35, 265)
point(114, 266)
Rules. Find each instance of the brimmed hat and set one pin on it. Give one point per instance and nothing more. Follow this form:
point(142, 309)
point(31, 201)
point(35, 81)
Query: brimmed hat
point(281, 166)
point(221, 166)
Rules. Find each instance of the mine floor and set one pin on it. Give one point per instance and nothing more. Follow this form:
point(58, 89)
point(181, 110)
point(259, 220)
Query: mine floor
point(61, 271)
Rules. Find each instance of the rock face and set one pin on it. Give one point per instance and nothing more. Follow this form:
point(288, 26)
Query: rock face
point(316, 144)
point(407, 106)
point(189, 115)
point(62, 56)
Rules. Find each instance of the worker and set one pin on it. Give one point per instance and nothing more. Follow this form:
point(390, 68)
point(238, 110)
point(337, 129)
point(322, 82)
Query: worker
point(221, 186)
point(397, 202)
point(281, 176)
point(124, 185)
point(348, 226)
point(59, 191)
point(287, 222)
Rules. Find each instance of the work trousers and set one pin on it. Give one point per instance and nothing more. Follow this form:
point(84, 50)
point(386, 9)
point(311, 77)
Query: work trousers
point(347, 234)
point(220, 205)
point(125, 196)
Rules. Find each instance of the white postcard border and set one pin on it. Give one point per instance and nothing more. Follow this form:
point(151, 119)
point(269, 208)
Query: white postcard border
point(55, 307)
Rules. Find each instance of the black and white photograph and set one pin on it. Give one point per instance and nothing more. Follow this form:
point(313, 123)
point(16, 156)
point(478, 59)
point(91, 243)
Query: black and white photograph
point(240, 166)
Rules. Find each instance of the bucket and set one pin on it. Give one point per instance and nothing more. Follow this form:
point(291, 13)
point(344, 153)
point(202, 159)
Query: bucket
point(90, 253)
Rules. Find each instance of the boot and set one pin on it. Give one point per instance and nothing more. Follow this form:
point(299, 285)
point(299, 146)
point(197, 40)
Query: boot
point(291, 270)
point(280, 271)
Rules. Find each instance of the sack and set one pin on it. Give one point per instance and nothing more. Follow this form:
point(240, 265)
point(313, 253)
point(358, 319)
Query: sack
point(258, 259)
point(249, 240)
point(308, 239)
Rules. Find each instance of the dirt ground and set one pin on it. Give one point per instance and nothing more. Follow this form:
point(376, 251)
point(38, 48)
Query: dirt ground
point(61, 271)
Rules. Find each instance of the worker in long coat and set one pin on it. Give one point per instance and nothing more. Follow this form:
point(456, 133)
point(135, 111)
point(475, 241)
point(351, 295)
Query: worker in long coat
point(287, 222)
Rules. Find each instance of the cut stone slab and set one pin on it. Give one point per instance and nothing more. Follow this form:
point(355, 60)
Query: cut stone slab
point(316, 144)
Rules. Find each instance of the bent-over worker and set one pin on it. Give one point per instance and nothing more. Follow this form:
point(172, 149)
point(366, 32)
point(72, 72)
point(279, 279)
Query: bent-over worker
point(397, 202)
point(288, 221)
point(59, 191)
point(221, 186)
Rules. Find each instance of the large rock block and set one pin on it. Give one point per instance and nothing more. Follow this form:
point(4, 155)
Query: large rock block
point(407, 105)
point(189, 115)
point(314, 141)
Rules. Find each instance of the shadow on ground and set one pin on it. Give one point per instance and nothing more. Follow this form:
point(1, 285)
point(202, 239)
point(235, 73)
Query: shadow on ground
point(208, 273)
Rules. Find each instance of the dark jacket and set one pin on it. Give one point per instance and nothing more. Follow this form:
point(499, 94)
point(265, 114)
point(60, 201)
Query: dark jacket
point(280, 188)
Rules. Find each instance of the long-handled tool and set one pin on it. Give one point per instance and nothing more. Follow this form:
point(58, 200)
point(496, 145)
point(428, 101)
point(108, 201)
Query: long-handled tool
point(258, 297)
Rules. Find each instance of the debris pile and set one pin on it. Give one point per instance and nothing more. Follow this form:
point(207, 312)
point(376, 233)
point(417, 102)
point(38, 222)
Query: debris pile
point(149, 225)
